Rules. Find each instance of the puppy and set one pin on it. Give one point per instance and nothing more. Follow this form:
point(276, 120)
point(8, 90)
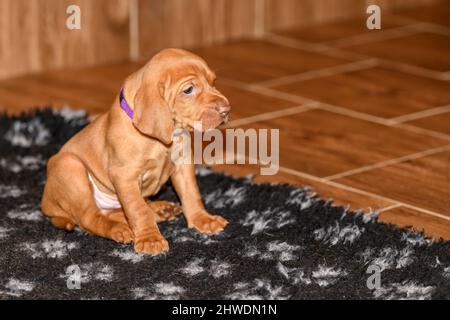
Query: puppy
point(100, 178)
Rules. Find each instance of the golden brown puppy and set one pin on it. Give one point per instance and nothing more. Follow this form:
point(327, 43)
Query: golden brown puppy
point(100, 178)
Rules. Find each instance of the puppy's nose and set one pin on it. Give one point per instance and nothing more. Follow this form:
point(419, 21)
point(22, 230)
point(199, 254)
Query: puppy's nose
point(224, 109)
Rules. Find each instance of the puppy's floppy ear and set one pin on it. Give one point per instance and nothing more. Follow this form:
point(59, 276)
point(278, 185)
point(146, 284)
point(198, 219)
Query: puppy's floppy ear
point(152, 114)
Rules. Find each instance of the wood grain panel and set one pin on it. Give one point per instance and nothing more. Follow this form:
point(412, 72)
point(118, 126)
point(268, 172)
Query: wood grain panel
point(19, 37)
point(34, 37)
point(179, 23)
point(103, 37)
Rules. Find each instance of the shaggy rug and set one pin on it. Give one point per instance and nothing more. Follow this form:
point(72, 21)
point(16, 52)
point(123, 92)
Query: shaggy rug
point(282, 243)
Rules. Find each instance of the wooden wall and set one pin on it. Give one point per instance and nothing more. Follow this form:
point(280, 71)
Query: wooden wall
point(33, 35)
point(165, 23)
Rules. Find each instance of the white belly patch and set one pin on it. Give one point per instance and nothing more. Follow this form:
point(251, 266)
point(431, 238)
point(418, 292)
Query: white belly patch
point(102, 200)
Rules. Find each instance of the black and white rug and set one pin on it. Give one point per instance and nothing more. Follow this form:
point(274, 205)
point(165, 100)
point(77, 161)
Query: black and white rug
point(282, 242)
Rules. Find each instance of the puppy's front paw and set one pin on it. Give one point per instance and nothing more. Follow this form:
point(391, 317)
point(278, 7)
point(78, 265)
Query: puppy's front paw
point(151, 244)
point(207, 223)
point(121, 232)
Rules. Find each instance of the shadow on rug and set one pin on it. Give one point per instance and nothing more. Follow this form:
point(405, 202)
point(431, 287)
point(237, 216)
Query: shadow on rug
point(282, 242)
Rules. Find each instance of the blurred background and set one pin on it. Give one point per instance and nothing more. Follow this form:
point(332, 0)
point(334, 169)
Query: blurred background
point(33, 36)
point(364, 115)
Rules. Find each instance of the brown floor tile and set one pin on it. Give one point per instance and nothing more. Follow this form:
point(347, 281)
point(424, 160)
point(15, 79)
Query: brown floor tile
point(377, 91)
point(340, 197)
point(423, 182)
point(434, 14)
point(340, 30)
point(255, 61)
point(424, 50)
point(14, 102)
point(323, 143)
point(92, 89)
point(246, 104)
point(405, 217)
point(57, 93)
point(439, 122)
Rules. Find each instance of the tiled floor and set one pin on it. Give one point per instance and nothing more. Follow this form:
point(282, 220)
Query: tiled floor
point(376, 91)
point(255, 61)
point(324, 144)
point(364, 116)
point(411, 49)
point(437, 15)
point(439, 122)
point(344, 31)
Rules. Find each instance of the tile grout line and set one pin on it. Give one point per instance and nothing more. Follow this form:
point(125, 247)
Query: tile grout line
point(353, 114)
point(382, 121)
point(292, 42)
point(272, 115)
point(313, 47)
point(446, 76)
point(394, 206)
point(420, 114)
point(414, 70)
point(432, 28)
point(425, 211)
point(389, 162)
point(266, 91)
point(362, 192)
point(431, 133)
point(343, 54)
point(391, 33)
point(320, 73)
point(415, 26)
point(332, 108)
point(379, 208)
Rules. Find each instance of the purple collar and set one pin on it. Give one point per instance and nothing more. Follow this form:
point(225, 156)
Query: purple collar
point(124, 105)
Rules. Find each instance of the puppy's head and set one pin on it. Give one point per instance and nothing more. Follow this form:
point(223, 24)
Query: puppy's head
point(175, 89)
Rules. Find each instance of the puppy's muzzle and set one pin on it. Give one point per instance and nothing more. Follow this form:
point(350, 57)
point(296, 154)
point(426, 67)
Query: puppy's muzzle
point(223, 109)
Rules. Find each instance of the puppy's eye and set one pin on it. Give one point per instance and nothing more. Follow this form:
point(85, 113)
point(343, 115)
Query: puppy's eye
point(188, 90)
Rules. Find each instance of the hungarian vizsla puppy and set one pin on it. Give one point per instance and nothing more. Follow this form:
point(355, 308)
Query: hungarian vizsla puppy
point(101, 177)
